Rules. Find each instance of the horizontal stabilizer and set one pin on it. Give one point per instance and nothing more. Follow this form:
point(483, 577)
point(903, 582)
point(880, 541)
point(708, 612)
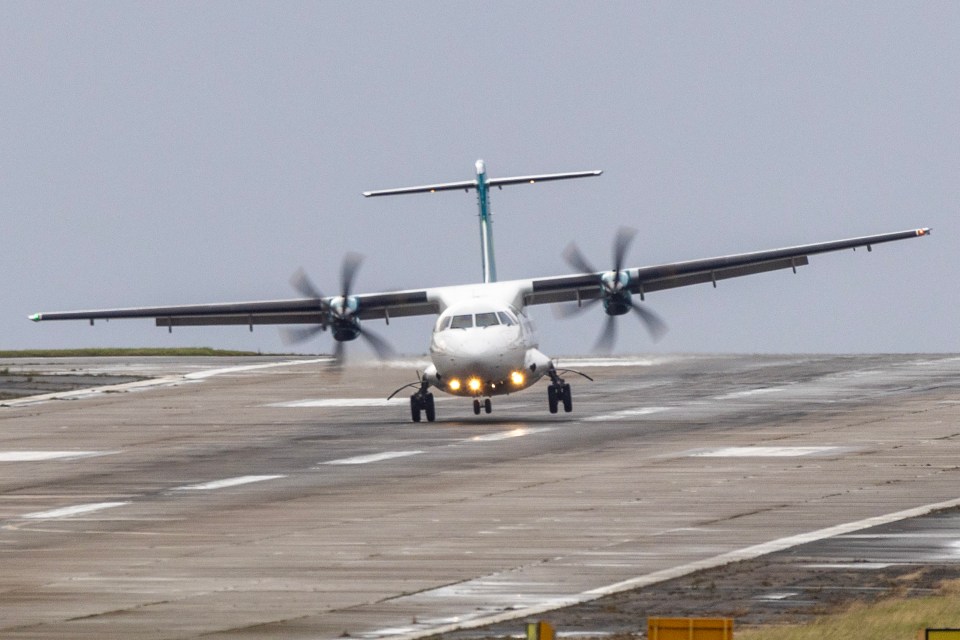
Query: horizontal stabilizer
point(466, 185)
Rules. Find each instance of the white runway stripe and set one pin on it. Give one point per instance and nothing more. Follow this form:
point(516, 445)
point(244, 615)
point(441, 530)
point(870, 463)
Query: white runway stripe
point(762, 452)
point(35, 456)
point(80, 509)
point(225, 483)
point(339, 402)
point(626, 413)
point(375, 457)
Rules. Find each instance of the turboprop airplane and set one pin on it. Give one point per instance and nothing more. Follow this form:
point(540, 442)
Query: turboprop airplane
point(483, 343)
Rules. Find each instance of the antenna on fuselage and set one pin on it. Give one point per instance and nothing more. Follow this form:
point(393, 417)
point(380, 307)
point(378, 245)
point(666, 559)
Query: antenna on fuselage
point(482, 184)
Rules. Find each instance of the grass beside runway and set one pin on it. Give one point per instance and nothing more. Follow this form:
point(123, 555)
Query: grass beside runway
point(897, 617)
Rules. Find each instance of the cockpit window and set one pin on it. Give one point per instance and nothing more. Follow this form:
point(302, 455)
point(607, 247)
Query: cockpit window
point(506, 319)
point(487, 319)
point(444, 323)
point(462, 322)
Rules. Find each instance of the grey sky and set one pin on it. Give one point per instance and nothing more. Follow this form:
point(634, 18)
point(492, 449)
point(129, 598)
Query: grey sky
point(165, 153)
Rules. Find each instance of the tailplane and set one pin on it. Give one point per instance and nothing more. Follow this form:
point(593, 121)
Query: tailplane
point(482, 185)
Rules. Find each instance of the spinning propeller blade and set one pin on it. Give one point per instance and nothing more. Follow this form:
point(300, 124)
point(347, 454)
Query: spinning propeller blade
point(611, 289)
point(340, 314)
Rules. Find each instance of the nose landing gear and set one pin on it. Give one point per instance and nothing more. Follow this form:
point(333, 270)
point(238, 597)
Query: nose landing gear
point(487, 406)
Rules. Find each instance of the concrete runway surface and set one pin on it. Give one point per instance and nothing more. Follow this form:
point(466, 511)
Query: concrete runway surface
point(239, 498)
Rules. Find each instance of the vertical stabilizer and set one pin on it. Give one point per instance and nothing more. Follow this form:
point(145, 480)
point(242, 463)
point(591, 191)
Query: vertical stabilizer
point(486, 224)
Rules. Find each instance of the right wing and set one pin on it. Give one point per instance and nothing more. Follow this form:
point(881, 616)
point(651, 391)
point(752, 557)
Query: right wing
point(643, 280)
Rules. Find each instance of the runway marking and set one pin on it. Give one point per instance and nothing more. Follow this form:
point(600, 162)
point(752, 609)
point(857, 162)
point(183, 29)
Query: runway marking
point(200, 375)
point(143, 385)
point(865, 566)
point(762, 452)
point(618, 362)
point(228, 482)
point(338, 402)
point(506, 435)
point(781, 595)
point(66, 512)
point(626, 413)
point(37, 456)
point(737, 395)
point(374, 457)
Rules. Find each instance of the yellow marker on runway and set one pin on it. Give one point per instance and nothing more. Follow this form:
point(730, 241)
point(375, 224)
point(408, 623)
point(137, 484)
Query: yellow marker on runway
point(690, 628)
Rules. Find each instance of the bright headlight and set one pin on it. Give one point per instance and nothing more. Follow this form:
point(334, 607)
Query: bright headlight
point(454, 385)
point(516, 378)
point(474, 384)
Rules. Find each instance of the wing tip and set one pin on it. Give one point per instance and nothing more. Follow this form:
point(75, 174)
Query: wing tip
point(37, 317)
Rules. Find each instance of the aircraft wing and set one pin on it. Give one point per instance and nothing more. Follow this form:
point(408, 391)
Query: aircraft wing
point(413, 302)
point(297, 311)
point(643, 280)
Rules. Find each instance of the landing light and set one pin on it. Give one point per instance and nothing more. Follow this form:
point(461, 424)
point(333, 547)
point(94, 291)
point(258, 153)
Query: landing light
point(454, 385)
point(474, 384)
point(516, 378)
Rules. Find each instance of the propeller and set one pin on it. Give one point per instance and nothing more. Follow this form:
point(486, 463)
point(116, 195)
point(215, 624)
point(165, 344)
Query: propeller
point(338, 313)
point(614, 292)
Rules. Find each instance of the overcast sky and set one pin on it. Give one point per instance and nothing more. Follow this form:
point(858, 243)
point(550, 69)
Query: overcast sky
point(181, 152)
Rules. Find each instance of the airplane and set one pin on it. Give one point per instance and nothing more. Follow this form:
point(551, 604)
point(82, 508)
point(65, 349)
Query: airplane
point(483, 343)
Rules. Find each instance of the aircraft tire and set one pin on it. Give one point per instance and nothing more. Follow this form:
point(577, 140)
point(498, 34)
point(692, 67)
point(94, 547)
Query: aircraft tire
point(429, 408)
point(567, 398)
point(487, 406)
point(415, 408)
point(476, 407)
point(552, 399)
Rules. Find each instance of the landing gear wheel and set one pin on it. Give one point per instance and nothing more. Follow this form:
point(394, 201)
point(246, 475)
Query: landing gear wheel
point(552, 398)
point(476, 406)
point(487, 407)
point(567, 398)
point(429, 408)
point(415, 408)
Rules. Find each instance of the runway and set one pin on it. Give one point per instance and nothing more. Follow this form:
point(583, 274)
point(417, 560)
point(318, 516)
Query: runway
point(239, 498)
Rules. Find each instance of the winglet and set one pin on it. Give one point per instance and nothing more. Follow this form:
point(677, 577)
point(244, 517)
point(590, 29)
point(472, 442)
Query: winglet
point(924, 232)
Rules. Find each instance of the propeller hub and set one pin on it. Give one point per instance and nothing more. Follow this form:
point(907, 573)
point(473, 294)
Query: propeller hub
point(344, 307)
point(614, 282)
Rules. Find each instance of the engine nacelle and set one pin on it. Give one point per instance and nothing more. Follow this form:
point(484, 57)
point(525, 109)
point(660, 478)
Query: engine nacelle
point(618, 304)
point(345, 329)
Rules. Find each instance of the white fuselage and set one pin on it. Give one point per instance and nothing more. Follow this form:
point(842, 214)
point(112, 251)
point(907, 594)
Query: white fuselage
point(484, 347)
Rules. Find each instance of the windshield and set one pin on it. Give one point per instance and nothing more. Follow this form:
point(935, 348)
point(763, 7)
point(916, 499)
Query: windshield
point(487, 319)
point(462, 322)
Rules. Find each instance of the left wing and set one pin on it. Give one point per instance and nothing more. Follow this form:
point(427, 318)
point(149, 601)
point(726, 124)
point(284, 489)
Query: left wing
point(681, 274)
point(298, 311)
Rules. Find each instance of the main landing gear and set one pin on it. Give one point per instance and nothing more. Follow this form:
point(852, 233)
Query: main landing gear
point(422, 400)
point(559, 393)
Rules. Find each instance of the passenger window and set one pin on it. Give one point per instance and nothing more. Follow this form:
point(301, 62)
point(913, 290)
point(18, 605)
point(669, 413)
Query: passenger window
point(487, 319)
point(461, 322)
point(505, 318)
